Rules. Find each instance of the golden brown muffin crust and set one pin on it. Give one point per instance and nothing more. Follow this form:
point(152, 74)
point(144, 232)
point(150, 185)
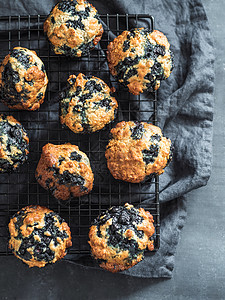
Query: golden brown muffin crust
point(65, 171)
point(140, 59)
point(87, 105)
point(73, 27)
point(119, 237)
point(38, 236)
point(14, 144)
point(23, 80)
point(137, 150)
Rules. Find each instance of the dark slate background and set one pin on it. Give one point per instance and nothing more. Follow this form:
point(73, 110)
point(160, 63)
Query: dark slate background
point(199, 265)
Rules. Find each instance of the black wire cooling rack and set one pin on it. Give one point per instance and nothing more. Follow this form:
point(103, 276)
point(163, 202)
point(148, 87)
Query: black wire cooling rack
point(20, 189)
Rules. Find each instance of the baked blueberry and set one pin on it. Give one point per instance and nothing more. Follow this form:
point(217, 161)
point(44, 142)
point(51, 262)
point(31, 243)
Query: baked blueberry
point(119, 237)
point(38, 236)
point(137, 150)
point(65, 171)
point(14, 144)
point(140, 59)
point(87, 105)
point(73, 27)
point(23, 80)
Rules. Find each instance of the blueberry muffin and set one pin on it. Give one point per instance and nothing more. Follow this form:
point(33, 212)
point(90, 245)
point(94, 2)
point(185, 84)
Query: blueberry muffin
point(65, 171)
point(140, 59)
point(38, 236)
point(23, 80)
point(87, 105)
point(119, 237)
point(73, 28)
point(14, 144)
point(136, 151)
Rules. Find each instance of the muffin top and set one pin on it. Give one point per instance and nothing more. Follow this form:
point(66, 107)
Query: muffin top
point(140, 59)
point(23, 80)
point(137, 150)
point(14, 144)
point(65, 171)
point(87, 105)
point(73, 27)
point(38, 236)
point(119, 237)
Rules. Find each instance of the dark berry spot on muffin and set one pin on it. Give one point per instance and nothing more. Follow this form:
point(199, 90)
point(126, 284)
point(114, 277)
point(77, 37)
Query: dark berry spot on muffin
point(22, 58)
point(39, 96)
point(9, 74)
point(104, 103)
point(124, 65)
point(72, 80)
point(150, 78)
point(78, 90)
point(10, 78)
point(61, 159)
point(47, 182)
point(30, 83)
point(83, 188)
point(159, 50)
point(148, 50)
point(66, 178)
point(157, 70)
point(68, 51)
point(131, 34)
point(53, 20)
point(64, 106)
point(155, 137)
point(86, 96)
point(130, 73)
point(75, 24)
point(126, 45)
point(77, 108)
point(93, 86)
point(68, 7)
point(72, 179)
point(137, 131)
point(75, 156)
point(23, 251)
point(84, 14)
point(150, 155)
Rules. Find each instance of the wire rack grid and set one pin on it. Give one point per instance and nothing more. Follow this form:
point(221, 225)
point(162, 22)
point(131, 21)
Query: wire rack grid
point(20, 189)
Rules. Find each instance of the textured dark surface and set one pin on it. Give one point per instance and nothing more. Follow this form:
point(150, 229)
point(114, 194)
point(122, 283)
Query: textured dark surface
point(199, 268)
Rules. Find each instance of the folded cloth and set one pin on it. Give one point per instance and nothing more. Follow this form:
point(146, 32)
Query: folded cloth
point(185, 110)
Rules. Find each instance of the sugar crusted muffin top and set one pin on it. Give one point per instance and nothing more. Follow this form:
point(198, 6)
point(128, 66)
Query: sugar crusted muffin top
point(23, 80)
point(119, 237)
point(73, 27)
point(65, 171)
point(137, 150)
point(38, 236)
point(14, 144)
point(87, 105)
point(140, 59)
